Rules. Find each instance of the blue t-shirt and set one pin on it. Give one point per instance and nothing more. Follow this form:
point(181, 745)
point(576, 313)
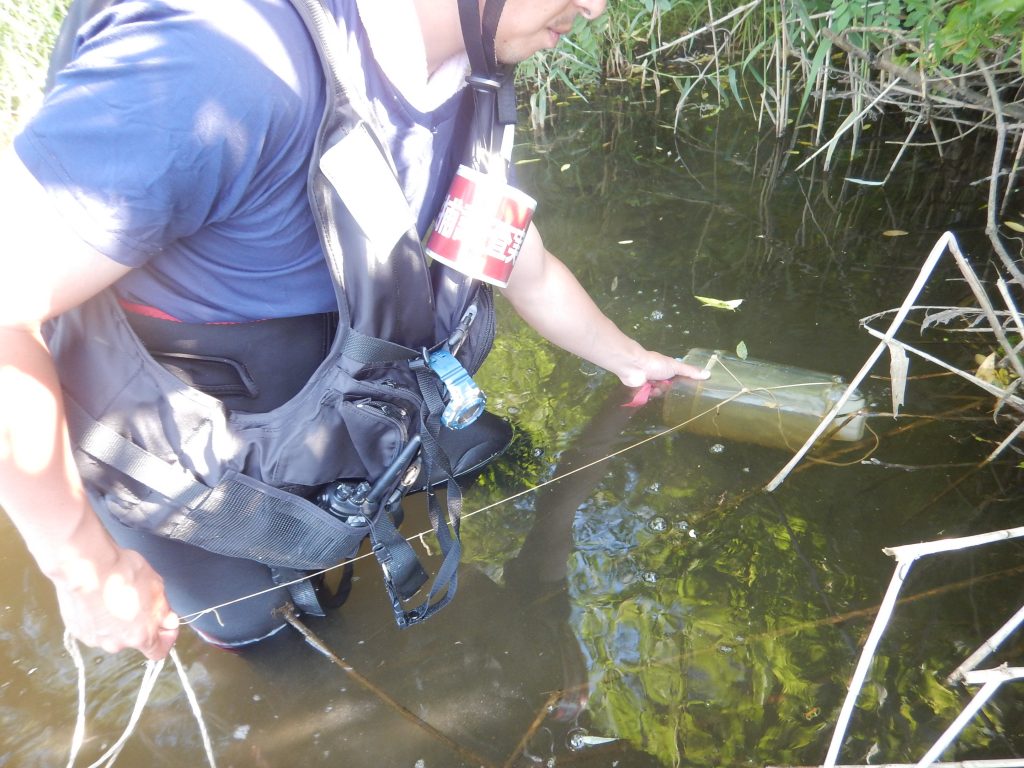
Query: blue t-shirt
point(178, 140)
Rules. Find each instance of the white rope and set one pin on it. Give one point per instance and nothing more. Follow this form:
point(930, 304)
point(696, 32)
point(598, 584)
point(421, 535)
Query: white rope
point(149, 678)
point(193, 702)
point(71, 645)
point(213, 609)
point(106, 760)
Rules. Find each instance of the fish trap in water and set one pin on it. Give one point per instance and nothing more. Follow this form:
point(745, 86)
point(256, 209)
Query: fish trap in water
point(754, 401)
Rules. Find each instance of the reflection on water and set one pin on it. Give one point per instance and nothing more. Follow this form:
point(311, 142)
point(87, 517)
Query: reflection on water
point(655, 608)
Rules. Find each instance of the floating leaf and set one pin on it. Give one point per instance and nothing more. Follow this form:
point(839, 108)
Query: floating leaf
point(741, 350)
point(731, 304)
point(895, 233)
point(1015, 226)
point(565, 167)
point(987, 368)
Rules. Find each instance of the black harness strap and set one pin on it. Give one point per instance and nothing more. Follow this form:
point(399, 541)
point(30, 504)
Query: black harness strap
point(243, 517)
point(489, 28)
point(493, 84)
point(239, 517)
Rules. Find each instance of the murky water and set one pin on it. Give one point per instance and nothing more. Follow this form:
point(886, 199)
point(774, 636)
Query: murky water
point(654, 608)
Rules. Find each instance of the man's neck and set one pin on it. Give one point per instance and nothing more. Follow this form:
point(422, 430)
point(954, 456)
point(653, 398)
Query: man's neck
point(442, 30)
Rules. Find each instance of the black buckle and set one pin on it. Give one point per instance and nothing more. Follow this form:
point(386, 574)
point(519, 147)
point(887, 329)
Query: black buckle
point(492, 82)
point(410, 585)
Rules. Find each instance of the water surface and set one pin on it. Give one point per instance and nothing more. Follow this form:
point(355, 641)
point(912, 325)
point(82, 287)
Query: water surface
point(655, 607)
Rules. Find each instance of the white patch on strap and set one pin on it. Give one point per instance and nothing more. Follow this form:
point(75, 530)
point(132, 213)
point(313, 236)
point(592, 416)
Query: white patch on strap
point(367, 186)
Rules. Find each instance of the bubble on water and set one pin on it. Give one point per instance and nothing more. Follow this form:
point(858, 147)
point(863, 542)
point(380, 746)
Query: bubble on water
point(657, 314)
point(682, 525)
point(725, 649)
point(692, 534)
point(658, 524)
point(717, 448)
point(512, 410)
point(654, 487)
point(421, 763)
point(241, 732)
point(649, 576)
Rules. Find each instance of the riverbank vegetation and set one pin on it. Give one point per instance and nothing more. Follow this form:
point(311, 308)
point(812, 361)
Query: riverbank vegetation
point(27, 31)
point(824, 73)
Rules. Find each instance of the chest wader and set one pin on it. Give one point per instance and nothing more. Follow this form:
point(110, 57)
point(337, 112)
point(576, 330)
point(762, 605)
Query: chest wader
point(170, 459)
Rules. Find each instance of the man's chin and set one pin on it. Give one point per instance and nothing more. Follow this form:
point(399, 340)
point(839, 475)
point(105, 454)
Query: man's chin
point(511, 56)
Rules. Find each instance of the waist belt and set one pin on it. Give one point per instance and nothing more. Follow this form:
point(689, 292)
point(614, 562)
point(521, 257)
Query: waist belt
point(245, 365)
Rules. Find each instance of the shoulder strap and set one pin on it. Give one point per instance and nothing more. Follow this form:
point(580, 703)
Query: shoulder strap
point(374, 346)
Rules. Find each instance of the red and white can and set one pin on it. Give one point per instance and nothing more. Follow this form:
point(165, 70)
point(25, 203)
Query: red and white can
point(481, 226)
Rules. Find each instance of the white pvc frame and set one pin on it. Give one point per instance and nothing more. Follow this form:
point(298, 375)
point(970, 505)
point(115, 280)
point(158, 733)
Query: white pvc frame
point(988, 679)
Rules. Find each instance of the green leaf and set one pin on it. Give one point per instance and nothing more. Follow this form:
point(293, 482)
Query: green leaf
point(730, 304)
point(741, 350)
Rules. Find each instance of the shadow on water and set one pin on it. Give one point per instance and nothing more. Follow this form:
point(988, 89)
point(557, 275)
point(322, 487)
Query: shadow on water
point(654, 608)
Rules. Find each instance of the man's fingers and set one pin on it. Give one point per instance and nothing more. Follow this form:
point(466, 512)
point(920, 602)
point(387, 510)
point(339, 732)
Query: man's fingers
point(691, 371)
point(160, 644)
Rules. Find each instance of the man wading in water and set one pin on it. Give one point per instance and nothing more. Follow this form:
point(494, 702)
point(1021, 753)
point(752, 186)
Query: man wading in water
point(190, 352)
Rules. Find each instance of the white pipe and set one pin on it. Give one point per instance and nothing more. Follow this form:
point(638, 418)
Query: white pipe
point(952, 545)
point(946, 241)
point(1000, 674)
point(867, 655)
point(988, 646)
point(994, 763)
point(961, 722)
